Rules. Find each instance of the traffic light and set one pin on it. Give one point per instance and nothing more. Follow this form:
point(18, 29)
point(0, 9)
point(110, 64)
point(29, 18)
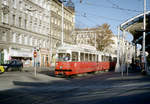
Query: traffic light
point(34, 54)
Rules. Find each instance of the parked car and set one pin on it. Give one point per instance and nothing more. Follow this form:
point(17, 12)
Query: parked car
point(2, 70)
point(13, 65)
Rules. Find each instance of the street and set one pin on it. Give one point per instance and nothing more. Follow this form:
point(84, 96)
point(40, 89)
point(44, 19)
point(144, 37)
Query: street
point(100, 88)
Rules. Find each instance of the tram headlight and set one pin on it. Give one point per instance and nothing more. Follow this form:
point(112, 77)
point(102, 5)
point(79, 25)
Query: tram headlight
point(60, 67)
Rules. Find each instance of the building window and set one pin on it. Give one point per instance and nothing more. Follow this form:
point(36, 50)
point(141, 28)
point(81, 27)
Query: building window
point(14, 19)
point(31, 41)
point(31, 23)
point(19, 21)
point(20, 4)
point(14, 3)
point(26, 40)
point(23, 39)
point(17, 38)
point(20, 39)
point(14, 37)
point(25, 24)
point(4, 35)
point(5, 2)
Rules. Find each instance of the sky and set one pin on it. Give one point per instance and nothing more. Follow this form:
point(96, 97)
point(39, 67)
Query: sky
point(90, 13)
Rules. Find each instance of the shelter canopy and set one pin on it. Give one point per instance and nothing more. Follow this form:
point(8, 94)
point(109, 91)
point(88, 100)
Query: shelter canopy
point(135, 27)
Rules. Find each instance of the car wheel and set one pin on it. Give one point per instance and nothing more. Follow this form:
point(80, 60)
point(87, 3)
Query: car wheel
point(1, 72)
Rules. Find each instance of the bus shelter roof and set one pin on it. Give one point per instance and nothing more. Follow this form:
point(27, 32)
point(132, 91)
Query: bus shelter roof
point(135, 27)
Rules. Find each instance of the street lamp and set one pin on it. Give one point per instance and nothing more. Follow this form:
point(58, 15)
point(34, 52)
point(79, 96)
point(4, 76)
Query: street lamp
point(117, 68)
point(62, 19)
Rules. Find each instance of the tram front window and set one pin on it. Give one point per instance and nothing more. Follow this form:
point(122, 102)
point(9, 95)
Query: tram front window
point(63, 57)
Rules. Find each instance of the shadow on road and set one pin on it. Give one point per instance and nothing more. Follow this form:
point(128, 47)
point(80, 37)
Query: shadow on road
point(105, 88)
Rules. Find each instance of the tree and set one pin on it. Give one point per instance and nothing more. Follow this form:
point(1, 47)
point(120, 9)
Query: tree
point(103, 37)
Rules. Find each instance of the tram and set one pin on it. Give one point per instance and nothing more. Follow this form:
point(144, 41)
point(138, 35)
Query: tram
point(79, 59)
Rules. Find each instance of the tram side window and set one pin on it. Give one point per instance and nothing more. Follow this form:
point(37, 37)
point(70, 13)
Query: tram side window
point(86, 57)
point(103, 58)
point(107, 58)
point(110, 58)
point(94, 58)
point(82, 56)
point(97, 58)
point(63, 56)
point(114, 59)
point(60, 56)
point(90, 55)
point(74, 56)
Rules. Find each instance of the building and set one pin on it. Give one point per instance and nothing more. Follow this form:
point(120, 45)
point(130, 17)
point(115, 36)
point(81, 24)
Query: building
point(25, 27)
point(83, 36)
point(56, 24)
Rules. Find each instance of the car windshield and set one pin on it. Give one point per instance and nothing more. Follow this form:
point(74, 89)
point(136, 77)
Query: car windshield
point(63, 57)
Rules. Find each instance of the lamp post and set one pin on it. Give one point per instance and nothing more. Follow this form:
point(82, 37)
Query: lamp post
point(62, 21)
point(117, 68)
point(50, 35)
point(144, 27)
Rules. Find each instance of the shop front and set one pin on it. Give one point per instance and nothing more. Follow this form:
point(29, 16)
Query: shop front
point(1, 56)
point(22, 54)
point(45, 58)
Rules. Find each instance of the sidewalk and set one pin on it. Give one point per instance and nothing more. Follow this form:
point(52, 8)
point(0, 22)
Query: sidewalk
point(38, 69)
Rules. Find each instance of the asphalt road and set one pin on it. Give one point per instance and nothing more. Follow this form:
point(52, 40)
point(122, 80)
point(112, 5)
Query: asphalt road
point(101, 88)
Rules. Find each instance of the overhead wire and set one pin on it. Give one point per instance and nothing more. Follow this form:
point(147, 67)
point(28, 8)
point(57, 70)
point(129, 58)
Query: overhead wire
point(89, 20)
point(115, 6)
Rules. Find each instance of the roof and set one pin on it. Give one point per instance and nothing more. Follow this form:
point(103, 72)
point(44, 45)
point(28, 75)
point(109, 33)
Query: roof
point(134, 26)
point(77, 48)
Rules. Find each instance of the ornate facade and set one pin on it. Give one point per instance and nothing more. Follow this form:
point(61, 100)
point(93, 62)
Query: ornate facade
point(56, 25)
point(28, 25)
point(83, 36)
point(24, 27)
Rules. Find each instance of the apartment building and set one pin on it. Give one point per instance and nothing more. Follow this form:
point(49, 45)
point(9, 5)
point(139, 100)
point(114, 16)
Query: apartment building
point(56, 24)
point(84, 36)
point(25, 27)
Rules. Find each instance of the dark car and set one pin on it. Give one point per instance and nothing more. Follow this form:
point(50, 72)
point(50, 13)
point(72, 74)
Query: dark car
point(13, 65)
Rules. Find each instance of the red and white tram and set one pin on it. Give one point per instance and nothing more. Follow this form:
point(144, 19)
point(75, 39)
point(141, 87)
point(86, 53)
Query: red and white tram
point(78, 59)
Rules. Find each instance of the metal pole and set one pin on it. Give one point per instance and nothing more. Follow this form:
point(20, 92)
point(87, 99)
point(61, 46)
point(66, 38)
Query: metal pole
point(127, 69)
point(62, 32)
point(35, 67)
point(117, 68)
point(144, 27)
point(50, 38)
point(123, 54)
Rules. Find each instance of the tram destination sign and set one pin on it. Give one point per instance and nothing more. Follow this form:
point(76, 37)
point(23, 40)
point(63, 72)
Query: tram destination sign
point(62, 51)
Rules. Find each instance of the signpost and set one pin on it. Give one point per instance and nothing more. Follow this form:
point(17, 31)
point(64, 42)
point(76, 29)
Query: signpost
point(35, 55)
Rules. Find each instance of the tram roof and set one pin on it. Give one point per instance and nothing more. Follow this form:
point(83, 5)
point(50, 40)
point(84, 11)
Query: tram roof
point(78, 47)
point(81, 48)
point(135, 27)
